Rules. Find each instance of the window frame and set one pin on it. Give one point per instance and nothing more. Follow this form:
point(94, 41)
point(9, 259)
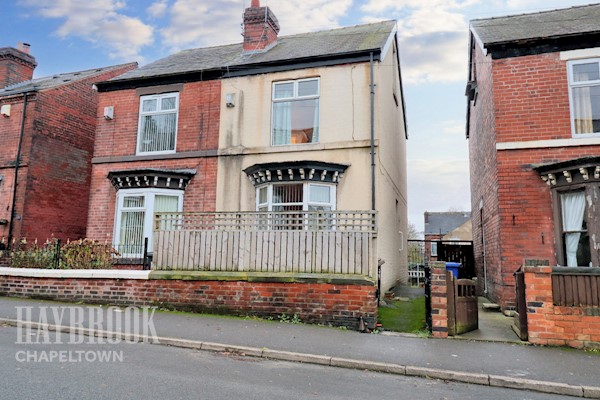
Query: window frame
point(306, 203)
point(149, 200)
point(572, 84)
point(295, 97)
point(434, 249)
point(283, 223)
point(559, 240)
point(142, 114)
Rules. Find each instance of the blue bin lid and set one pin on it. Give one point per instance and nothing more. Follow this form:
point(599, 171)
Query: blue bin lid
point(453, 264)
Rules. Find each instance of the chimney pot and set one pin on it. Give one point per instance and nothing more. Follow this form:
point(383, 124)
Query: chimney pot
point(24, 47)
point(255, 3)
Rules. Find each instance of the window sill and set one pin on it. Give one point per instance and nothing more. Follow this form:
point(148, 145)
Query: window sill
point(295, 148)
point(155, 153)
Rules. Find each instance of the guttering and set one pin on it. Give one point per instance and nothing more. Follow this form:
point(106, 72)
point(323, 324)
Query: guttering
point(372, 85)
point(17, 163)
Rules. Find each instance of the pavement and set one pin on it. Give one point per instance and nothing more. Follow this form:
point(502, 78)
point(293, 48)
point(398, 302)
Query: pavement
point(492, 363)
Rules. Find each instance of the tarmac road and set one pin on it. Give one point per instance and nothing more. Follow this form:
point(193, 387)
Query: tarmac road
point(160, 372)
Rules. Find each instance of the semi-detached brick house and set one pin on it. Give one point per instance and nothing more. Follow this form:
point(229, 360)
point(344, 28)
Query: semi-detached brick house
point(533, 125)
point(47, 132)
point(270, 124)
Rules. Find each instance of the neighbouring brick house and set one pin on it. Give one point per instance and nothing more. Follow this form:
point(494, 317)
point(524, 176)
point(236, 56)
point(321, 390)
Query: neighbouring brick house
point(533, 125)
point(441, 226)
point(257, 127)
point(47, 128)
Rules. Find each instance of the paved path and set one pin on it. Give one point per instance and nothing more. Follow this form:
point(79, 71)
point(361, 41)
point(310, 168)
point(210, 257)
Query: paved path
point(558, 365)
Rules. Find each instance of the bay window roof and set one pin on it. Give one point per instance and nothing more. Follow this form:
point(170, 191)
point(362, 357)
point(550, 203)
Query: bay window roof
point(295, 171)
point(579, 170)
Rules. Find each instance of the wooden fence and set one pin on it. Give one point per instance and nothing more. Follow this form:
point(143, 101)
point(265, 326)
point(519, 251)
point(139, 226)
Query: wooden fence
point(576, 287)
point(331, 242)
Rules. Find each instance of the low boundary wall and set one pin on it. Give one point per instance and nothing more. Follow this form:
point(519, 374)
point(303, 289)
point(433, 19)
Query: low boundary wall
point(325, 299)
point(550, 324)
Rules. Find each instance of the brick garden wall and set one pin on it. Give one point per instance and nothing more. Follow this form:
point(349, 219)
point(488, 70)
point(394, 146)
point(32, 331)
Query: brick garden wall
point(439, 300)
point(325, 303)
point(548, 324)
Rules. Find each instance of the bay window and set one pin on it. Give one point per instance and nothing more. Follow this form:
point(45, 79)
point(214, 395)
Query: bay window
point(575, 188)
point(295, 114)
point(291, 199)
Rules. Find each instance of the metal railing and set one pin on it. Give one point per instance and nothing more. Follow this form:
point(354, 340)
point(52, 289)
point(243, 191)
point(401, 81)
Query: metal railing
point(55, 253)
point(334, 242)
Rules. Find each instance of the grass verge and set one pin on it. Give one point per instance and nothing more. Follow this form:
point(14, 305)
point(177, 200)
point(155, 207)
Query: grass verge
point(403, 316)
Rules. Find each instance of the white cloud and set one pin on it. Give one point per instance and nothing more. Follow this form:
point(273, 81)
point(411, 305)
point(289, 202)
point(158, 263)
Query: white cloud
point(98, 22)
point(433, 37)
point(437, 185)
point(196, 23)
point(199, 23)
point(157, 9)
point(453, 127)
point(310, 15)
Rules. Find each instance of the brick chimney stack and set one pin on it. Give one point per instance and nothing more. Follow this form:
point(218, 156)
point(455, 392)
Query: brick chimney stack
point(16, 65)
point(260, 27)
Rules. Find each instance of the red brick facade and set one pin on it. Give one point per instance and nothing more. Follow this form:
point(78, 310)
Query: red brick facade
point(520, 99)
point(54, 177)
point(116, 141)
point(548, 324)
point(339, 305)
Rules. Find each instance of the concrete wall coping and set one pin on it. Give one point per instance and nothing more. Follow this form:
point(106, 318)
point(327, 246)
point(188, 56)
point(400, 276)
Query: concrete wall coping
point(74, 273)
point(334, 279)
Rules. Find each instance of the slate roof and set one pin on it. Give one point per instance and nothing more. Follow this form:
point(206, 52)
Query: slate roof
point(312, 45)
point(548, 24)
point(50, 82)
point(440, 223)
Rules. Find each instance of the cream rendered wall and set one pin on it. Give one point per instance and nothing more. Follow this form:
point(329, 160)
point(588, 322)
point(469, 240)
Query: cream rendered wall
point(390, 172)
point(245, 136)
point(244, 140)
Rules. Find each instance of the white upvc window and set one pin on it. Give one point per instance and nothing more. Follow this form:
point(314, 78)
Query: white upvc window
point(297, 196)
point(434, 249)
point(295, 116)
point(584, 94)
point(135, 214)
point(157, 127)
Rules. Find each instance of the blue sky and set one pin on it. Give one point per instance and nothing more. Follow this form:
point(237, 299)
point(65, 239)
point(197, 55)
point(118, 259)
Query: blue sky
point(71, 35)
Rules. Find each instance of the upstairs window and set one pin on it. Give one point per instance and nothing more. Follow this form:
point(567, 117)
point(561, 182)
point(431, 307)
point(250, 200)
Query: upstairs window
point(157, 131)
point(584, 87)
point(295, 117)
